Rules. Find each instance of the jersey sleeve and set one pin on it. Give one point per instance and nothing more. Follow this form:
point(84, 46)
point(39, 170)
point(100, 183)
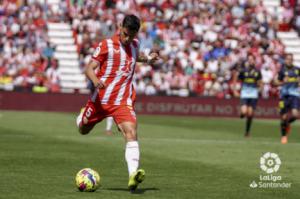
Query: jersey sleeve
point(100, 53)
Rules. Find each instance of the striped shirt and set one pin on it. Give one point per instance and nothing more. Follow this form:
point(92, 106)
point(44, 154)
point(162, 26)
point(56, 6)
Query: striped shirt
point(117, 65)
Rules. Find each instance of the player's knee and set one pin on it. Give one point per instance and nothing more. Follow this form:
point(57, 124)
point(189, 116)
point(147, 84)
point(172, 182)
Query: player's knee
point(85, 120)
point(295, 114)
point(83, 130)
point(81, 122)
point(250, 114)
point(244, 111)
point(131, 134)
point(284, 117)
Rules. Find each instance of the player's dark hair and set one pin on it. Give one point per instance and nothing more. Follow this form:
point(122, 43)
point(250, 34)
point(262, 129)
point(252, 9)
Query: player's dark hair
point(131, 22)
point(288, 54)
point(250, 55)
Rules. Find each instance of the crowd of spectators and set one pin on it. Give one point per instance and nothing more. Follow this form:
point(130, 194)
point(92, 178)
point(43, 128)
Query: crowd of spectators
point(199, 41)
point(291, 11)
point(26, 56)
point(290, 15)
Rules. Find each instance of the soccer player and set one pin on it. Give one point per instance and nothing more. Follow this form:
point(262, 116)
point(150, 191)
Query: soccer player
point(251, 83)
point(114, 94)
point(288, 79)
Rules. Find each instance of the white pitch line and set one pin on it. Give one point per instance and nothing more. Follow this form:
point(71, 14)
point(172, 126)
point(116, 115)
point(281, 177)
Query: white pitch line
point(177, 140)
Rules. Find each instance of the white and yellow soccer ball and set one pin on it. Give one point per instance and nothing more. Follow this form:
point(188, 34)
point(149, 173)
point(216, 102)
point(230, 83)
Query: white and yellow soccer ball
point(87, 180)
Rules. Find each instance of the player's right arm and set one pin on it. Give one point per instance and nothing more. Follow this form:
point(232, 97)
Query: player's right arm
point(150, 59)
point(99, 56)
point(90, 73)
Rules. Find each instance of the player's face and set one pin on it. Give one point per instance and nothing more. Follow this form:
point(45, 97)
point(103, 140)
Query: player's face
point(251, 60)
point(289, 60)
point(127, 36)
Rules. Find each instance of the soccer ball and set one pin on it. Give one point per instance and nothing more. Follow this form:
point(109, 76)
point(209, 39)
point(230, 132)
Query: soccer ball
point(87, 180)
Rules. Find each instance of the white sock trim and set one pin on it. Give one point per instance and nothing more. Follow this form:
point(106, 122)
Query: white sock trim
point(109, 123)
point(79, 119)
point(132, 144)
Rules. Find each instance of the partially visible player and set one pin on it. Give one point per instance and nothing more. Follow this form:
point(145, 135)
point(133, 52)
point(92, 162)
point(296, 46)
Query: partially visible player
point(114, 95)
point(288, 79)
point(250, 77)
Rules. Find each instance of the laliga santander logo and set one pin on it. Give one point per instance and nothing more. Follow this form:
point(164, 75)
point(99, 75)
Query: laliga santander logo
point(270, 162)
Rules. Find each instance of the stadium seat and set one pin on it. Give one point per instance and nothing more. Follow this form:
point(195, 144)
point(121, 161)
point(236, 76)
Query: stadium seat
point(70, 71)
point(58, 26)
point(72, 77)
point(65, 56)
point(56, 33)
point(68, 63)
point(66, 48)
point(74, 85)
point(287, 35)
point(271, 3)
point(289, 42)
point(292, 50)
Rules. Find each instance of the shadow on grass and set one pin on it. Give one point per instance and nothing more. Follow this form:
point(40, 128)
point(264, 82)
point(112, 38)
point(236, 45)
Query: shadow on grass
point(138, 191)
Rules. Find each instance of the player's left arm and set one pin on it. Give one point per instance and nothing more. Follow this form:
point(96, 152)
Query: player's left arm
point(149, 59)
point(142, 57)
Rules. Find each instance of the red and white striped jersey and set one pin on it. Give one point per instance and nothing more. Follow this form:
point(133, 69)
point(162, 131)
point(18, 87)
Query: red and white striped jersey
point(117, 65)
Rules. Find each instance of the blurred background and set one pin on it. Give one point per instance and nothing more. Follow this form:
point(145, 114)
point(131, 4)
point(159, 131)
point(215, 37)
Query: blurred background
point(45, 44)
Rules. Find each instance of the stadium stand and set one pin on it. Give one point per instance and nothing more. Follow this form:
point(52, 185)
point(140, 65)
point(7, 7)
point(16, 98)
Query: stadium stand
point(199, 42)
point(286, 13)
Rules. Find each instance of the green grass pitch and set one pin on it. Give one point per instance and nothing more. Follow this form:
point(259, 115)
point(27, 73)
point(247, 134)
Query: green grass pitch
point(184, 157)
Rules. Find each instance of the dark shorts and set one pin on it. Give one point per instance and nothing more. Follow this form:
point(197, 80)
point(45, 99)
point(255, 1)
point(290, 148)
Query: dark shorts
point(287, 103)
point(252, 102)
